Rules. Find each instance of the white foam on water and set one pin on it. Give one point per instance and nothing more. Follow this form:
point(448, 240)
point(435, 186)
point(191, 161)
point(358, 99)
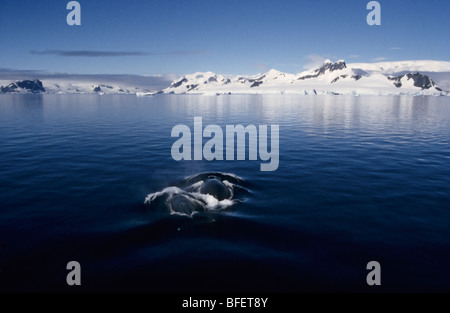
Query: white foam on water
point(212, 203)
point(166, 191)
point(196, 186)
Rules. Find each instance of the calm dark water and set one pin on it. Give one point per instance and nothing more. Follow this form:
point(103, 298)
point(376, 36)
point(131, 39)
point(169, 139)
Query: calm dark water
point(360, 179)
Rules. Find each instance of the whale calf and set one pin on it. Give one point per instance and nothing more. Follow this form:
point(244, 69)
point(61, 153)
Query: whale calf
point(216, 188)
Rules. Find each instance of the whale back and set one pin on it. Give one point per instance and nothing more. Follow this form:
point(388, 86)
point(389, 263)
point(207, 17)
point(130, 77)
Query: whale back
point(183, 204)
point(216, 188)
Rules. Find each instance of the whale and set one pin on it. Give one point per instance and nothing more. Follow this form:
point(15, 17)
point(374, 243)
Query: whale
point(199, 195)
point(216, 188)
point(184, 204)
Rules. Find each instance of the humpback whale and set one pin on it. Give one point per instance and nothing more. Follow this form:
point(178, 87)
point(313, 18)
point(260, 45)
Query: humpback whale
point(216, 188)
point(200, 193)
point(184, 204)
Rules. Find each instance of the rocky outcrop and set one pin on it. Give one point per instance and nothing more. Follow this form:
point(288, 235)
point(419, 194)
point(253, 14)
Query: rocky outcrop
point(326, 67)
point(177, 84)
point(24, 86)
point(422, 81)
point(256, 84)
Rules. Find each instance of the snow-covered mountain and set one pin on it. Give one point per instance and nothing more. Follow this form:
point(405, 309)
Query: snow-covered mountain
point(62, 83)
point(385, 78)
point(394, 78)
point(66, 87)
point(24, 86)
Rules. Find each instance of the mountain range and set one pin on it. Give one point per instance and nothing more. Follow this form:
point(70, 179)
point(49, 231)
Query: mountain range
point(396, 78)
point(336, 78)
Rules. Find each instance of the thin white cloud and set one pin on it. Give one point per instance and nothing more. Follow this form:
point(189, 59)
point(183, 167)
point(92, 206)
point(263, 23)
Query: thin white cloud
point(314, 61)
point(96, 54)
point(379, 59)
point(395, 48)
point(262, 66)
point(354, 56)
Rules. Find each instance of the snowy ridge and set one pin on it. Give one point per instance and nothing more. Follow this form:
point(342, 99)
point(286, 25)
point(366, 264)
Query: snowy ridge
point(386, 78)
point(66, 87)
point(417, 78)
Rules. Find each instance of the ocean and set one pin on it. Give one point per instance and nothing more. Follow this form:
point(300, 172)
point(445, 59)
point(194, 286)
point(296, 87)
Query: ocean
point(360, 179)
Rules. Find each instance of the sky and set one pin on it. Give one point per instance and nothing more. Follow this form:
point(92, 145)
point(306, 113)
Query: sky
point(155, 37)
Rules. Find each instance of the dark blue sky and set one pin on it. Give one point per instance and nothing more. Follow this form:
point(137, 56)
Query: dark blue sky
point(230, 37)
